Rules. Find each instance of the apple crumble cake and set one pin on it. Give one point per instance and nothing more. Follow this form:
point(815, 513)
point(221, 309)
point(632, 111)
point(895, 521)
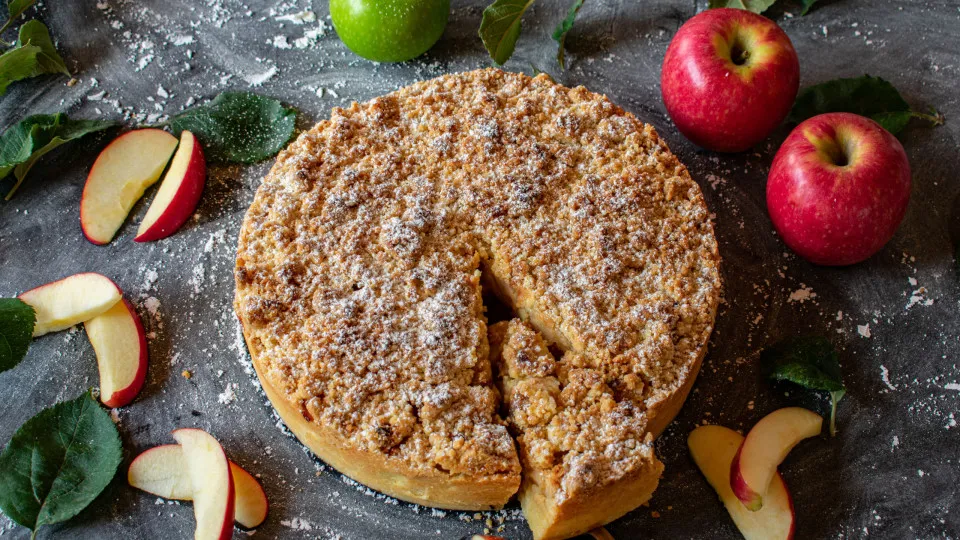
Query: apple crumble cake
point(359, 274)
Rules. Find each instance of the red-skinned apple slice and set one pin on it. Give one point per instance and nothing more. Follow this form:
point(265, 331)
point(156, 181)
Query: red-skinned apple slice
point(118, 339)
point(765, 447)
point(252, 505)
point(162, 471)
point(71, 300)
point(179, 192)
point(213, 491)
point(122, 172)
point(713, 449)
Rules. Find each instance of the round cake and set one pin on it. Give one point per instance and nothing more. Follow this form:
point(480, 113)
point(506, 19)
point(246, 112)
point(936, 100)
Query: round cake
point(360, 274)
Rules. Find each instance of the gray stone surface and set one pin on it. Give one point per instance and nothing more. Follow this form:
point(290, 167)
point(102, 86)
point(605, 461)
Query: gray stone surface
point(892, 472)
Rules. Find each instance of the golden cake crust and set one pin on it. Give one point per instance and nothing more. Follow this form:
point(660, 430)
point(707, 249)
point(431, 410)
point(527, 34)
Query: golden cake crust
point(359, 272)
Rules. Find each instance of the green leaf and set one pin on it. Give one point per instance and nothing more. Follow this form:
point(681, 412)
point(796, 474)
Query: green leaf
point(23, 144)
point(807, 4)
point(16, 331)
point(500, 27)
point(19, 141)
point(811, 362)
point(58, 462)
point(756, 6)
point(48, 61)
point(16, 8)
point(560, 32)
point(17, 64)
point(867, 96)
point(239, 126)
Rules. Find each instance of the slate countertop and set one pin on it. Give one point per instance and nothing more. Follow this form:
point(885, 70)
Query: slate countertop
point(892, 471)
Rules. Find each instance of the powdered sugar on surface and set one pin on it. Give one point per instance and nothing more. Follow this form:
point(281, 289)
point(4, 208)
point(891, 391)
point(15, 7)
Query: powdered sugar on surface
point(192, 56)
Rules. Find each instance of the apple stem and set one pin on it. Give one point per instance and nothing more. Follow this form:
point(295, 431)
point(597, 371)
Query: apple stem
point(934, 117)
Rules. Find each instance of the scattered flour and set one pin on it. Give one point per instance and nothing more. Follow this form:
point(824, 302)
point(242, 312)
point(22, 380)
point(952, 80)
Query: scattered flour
point(885, 376)
point(258, 79)
point(298, 18)
point(297, 524)
point(229, 394)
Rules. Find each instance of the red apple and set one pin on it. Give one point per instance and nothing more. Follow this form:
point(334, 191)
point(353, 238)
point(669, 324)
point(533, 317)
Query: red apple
point(713, 449)
point(179, 192)
point(118, 339)
point(71, 300)
point(764, 448)
point(729, 78)
point(838, 188)
point(124, 169)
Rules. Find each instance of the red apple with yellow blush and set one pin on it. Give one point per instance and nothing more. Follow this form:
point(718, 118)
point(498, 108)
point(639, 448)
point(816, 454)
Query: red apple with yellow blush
point(729, 79)
point(838, 188)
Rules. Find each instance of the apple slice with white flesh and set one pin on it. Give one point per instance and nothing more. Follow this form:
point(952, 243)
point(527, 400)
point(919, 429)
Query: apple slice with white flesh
point(713, 449)
point(118, 339)
point(213, 492)
point(122, 172)
point(71, 300)
point(162, 471)
point(179, 192)
point(765, 447)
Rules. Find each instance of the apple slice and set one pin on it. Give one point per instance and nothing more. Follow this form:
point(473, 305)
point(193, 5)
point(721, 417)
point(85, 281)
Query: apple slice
point(179, 192)
point(765, 447)
point(713, 449)
point(213, 491)
point(252, 505)
point(162, 471)
point(71, 300)
point(122, 172)
point(118, 339)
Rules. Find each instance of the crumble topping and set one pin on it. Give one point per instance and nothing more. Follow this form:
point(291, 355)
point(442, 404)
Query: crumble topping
point(360, 263)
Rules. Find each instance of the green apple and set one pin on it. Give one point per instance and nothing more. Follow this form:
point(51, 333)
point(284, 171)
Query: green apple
point(389, 30)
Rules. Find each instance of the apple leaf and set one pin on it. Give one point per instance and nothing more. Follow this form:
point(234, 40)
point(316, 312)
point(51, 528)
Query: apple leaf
point(48, 60)
point(500, 27)
point(756, 6)
point(807, 4)
point(24, 143)
point(811, 362)
point(239, 126)
point(16, 331)
point(17, 64)
point(16, 8)
point(867, 96)
point(58, 462)
point(560, 32)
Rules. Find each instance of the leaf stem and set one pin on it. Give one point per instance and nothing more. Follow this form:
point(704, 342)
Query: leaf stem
point(934, 117)
point(20, 177)
point(4, 29)
point(834, 400)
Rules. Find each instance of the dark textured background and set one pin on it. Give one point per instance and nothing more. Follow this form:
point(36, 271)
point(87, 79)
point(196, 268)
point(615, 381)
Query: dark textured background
point(892, 472)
